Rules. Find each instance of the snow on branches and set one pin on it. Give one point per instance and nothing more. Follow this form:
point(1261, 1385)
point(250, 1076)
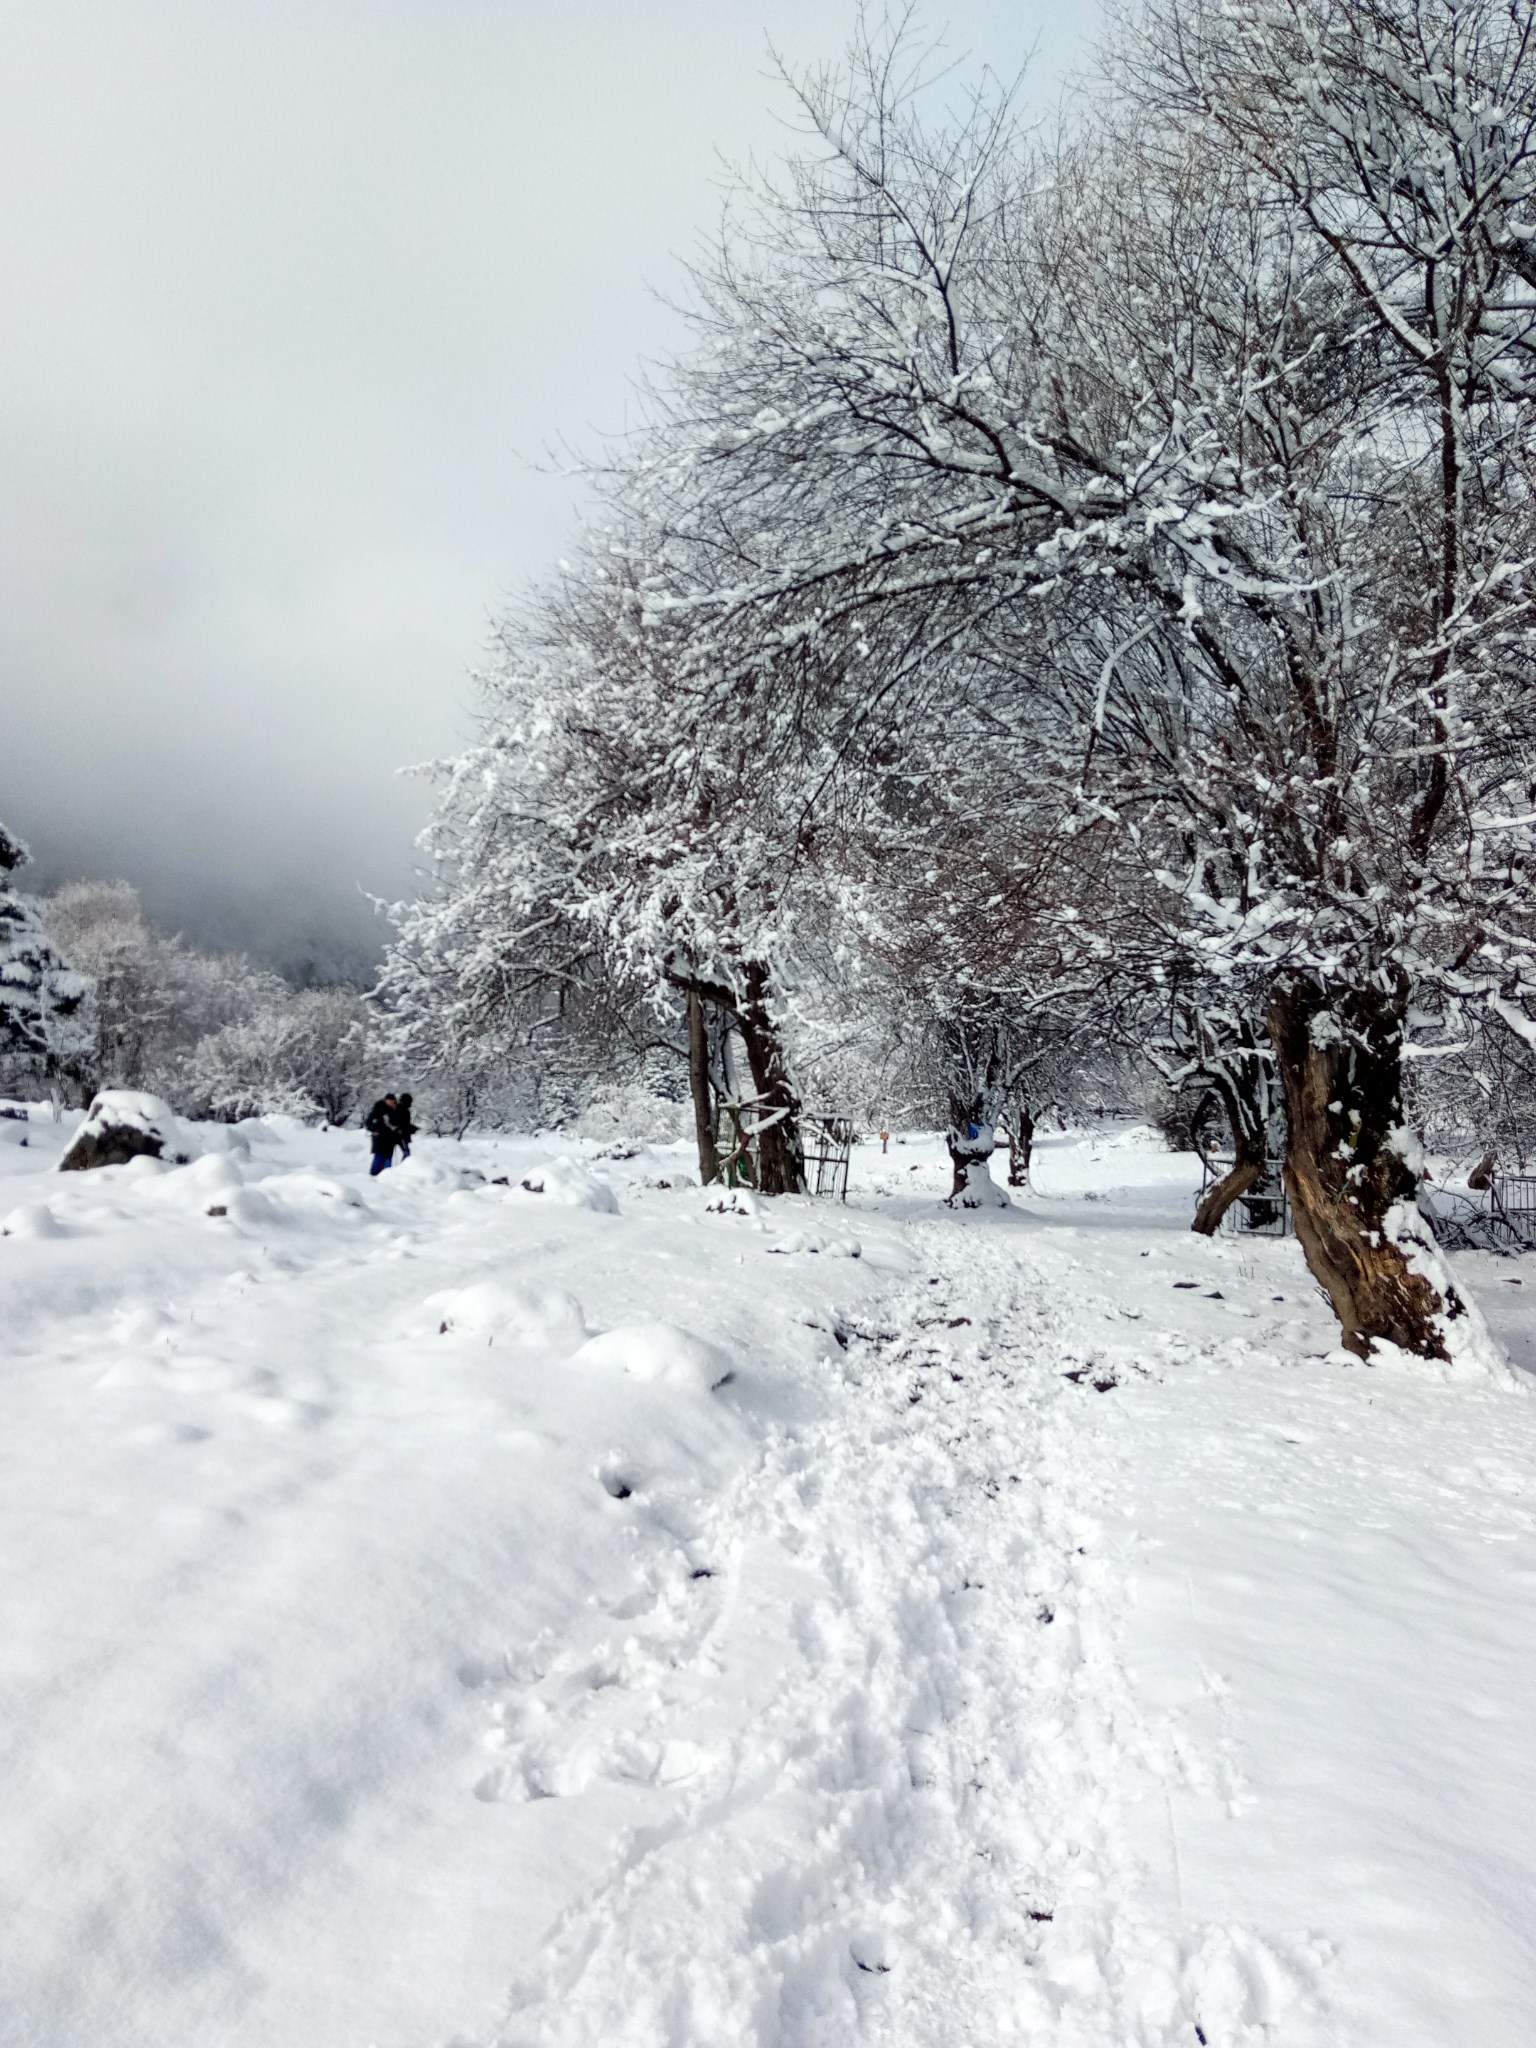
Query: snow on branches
point(1081, 589)
point(43, 1002)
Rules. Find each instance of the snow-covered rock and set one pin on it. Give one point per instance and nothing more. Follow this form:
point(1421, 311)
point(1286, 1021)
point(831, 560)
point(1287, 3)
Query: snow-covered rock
point(124, 1124)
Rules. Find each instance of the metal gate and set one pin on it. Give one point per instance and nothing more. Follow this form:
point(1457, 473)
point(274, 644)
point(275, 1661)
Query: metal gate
point(1265, 1211)
point(828, 1149)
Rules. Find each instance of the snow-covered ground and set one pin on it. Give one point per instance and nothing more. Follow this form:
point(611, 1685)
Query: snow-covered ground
point(441, 1611)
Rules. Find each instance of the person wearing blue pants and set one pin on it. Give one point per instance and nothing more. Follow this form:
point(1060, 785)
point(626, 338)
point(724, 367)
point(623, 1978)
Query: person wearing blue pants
point(381, 1127)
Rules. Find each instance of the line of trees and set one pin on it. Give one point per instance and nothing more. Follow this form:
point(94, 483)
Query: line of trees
point(92, 995)
point(1073, 593)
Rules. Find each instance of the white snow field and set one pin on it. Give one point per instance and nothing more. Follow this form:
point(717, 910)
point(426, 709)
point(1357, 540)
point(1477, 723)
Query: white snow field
point(442, 1612)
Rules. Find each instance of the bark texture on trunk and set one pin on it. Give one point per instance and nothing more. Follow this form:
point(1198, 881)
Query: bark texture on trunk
point(1340, 1059)
point(1218, 1199)
point(698, 1084)
point(1244, 1094)
point(780, 1155)
point(1021, 1147)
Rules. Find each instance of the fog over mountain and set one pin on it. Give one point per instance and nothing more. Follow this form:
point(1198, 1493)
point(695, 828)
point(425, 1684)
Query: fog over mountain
point(296, 298)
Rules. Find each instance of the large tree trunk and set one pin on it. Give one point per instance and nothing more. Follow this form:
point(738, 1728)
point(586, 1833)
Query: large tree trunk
point(1021, 1146)
point(698, 1084)
point(780, 1156)
point(1340, 1059)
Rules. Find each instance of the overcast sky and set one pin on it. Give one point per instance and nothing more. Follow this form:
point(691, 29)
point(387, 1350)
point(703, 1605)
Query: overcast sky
point(296, 293)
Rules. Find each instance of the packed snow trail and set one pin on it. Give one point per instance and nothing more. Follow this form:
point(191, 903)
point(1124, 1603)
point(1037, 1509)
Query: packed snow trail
point(893, 1728)
point(1032, 1629)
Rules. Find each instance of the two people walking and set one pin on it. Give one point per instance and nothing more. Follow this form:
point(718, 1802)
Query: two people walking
point(389, 1124)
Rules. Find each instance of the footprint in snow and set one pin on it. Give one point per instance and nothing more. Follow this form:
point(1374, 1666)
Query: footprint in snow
point(496, 1786)
point(644, 1760)
point(634, 1605)
point(873, 1952)
point(170, 1433)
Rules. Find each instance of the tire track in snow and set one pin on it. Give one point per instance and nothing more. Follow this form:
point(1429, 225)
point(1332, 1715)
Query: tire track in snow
point(877, 1691)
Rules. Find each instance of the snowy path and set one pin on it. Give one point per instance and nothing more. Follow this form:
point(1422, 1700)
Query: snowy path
point(911, 1659)
point(900, 1665)
point(1039, 1637)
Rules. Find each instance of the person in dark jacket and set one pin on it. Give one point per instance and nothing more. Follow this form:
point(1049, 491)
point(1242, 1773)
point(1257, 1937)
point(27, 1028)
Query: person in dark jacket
point(383, 1130)
point(405, 1128)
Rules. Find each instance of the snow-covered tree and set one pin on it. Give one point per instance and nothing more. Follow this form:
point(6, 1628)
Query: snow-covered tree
point(141, 1017)
point(1158, 498)
point(1379, 877)
point(614, 850)
point(211, 1033)
point(44, 1003)
point(1113, 446)
point(303, 1052)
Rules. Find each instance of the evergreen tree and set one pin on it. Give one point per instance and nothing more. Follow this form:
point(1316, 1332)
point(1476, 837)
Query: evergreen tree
point(42, 1001)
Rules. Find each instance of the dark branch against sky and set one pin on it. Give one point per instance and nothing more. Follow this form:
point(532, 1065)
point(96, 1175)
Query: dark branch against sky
point(297, 297)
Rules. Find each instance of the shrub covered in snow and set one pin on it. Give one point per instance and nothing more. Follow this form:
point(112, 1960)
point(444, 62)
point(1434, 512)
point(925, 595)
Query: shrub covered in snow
point(634, 1113)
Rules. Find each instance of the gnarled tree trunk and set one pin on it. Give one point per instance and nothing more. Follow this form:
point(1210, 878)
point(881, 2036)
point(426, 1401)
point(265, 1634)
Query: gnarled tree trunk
point(1021, 1146)
point(1247, 1172)
point(1340, 1059)
point(780, 1155)
point(1242, 1085)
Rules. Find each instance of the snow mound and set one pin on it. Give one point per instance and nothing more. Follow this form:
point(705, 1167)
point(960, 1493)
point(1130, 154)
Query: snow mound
point(123, 1124)
point(229, 1139)
point(733, 1202)
point(1474, 1352)
point(34, 1219)
point(200, 1185)
point(280, 1124)
point(661, 1352)
point(216, 1173)
point(570, 1185)
point(531, 1315)
point(314, 1193)
point(1132, 1138)
point(980, 1190)
point(424, 1173)
point(836, 1247)
point(250, 1208)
